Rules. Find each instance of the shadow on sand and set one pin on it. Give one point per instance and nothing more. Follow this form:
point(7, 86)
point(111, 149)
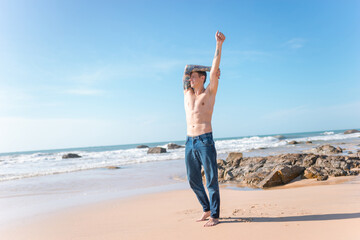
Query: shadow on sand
point(323, 217)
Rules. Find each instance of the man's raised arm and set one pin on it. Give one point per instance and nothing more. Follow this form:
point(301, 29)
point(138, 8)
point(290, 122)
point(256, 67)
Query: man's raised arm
point(214, 76)
point(188, 70)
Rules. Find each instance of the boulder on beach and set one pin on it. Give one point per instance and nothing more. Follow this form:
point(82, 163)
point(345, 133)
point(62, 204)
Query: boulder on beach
point(322, 178)
point(327, 149)
point(156, 150)
point(71, 155)
point(221, 163)
point(289, 173)
point(234, 158)
point(271, 180)
point(174, 146)
point(293, 142)
point(351, 131)
point(274, 170)
point(281, 175)
point(308, 142)
point(142, 146)
point(312, 172)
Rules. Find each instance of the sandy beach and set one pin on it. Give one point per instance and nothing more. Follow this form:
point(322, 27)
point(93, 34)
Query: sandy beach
point(303, 209)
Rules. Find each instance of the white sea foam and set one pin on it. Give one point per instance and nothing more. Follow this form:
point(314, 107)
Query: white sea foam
point(328, 137)
point(327, 133)
point(39, 164)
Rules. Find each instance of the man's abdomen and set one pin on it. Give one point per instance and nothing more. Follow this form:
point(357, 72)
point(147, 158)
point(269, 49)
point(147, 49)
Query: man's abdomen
point(196, 129)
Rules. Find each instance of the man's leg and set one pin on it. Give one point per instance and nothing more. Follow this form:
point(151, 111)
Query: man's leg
point(208, 158)
point(193, 170)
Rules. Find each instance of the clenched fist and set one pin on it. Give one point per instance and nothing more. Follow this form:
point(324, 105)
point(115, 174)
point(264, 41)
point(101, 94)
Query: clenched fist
point(220, 37)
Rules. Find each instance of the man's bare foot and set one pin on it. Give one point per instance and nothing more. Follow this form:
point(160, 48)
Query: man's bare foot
point(204, 216)
point(212, 222)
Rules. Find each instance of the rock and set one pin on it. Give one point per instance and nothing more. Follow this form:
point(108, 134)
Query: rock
point(234, 158)
point(156, 150)
point(351, 131)
point(293, 142)
point(142, 146)
point(309, 160)
point(279, 137)
point(350, 152)
point(322, 178)
point(337, 172)
point(327, 149)
point(287, 174)
point(269, 171)
point(308, 142)
point(221, 163)
point(113, 167)
point(228, 175)
point(271, 180)
point(71, 155)
point(312, 172)
point(221, 174)
point(174, 146)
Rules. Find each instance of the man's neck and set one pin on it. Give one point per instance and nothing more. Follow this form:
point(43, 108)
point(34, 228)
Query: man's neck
point(199, 90)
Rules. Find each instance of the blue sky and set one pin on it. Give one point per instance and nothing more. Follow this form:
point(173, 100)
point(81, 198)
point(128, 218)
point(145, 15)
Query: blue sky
point(93, 73)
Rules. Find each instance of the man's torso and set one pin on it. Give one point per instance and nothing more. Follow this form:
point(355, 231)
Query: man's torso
point(198, 111)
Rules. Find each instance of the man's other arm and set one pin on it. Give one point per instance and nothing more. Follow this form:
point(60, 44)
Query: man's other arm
point(214, 76)
point(187, 72)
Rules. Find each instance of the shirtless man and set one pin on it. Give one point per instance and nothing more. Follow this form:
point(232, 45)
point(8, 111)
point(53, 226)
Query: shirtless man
point(200, 148)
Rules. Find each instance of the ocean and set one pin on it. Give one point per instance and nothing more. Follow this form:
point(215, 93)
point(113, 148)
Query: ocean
point(18, 165)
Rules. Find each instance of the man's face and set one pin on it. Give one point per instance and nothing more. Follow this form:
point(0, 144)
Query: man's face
point(195, 80)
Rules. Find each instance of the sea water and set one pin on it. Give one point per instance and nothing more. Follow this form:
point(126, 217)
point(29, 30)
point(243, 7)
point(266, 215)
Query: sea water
point(20, 165)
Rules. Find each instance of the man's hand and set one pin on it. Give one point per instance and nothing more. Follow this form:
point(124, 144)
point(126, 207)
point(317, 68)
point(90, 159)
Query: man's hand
point(220, 37)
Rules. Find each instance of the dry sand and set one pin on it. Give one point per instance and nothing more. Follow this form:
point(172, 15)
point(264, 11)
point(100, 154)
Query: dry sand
point(309, 210)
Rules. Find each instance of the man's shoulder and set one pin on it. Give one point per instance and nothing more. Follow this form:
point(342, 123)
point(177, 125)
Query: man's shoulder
point(188, 91)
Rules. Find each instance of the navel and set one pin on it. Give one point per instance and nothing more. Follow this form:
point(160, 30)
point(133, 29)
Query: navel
point(203, 103)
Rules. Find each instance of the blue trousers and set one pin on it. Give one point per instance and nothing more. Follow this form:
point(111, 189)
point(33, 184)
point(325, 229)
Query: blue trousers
point(200, 150)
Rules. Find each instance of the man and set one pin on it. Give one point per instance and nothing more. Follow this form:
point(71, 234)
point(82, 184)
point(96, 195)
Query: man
point(200, 148)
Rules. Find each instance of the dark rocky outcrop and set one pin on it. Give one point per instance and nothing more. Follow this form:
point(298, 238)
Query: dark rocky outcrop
point(174, 146)
point(327, 149)
point(264, 172)
point(156, 150)
point(293, 142)
point(234, 158)
point(281, 175)
point(142, 146)
point(308, 142)
point(71, 155)
point(351, 131)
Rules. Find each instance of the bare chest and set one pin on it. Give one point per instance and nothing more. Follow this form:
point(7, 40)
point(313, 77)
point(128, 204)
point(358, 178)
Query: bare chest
point(201, 103)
